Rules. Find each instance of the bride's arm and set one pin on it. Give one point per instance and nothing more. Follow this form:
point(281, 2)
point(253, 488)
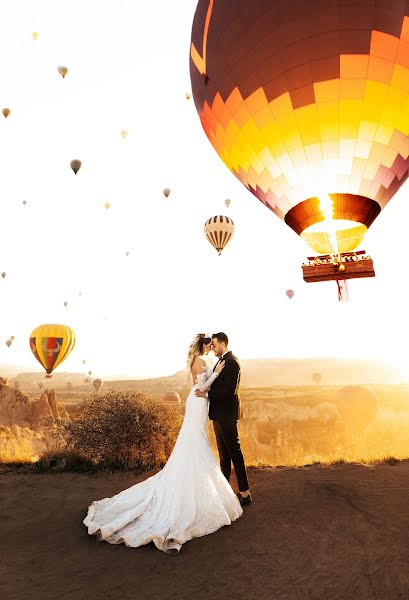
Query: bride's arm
point(206, 385)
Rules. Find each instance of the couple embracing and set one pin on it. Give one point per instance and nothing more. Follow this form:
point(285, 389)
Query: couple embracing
point(191, 496)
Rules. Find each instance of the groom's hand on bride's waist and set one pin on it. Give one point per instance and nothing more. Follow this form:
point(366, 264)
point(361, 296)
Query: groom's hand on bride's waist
point(199, 393)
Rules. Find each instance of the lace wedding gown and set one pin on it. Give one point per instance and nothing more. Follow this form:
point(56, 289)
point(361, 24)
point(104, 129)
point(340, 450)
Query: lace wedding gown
point(189, 497)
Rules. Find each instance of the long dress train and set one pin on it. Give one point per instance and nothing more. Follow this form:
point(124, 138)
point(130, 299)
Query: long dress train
point(188, 498)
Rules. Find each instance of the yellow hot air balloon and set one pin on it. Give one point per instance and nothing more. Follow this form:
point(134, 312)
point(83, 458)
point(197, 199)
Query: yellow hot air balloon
point(107, 205)
point(75, 165)
point(166, 192)
point(51, 344)
point(6, 112)
point(63, 71)
point(307, 104)
point(187, 96)
point(219, 231)
point(34, 35)
point(12, 338)
point(124, 133)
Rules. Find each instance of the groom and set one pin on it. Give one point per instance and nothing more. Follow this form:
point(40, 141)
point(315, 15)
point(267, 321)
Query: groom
point(224, 411)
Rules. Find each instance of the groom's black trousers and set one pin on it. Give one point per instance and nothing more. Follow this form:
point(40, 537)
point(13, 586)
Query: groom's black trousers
point(228, 444)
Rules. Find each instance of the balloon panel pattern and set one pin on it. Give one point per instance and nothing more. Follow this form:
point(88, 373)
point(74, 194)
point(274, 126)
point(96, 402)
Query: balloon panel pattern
point(307, 100)
point(51, 344)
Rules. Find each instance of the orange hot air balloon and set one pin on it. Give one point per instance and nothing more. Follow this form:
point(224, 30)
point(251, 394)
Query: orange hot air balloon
point(107, 205)
point(290, 294)
point(6, 112)
point(75, 165)
point(307, 104)
point(219, 231)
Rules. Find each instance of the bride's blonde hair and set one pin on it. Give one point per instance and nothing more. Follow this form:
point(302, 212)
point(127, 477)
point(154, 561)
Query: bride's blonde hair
point(196, 347)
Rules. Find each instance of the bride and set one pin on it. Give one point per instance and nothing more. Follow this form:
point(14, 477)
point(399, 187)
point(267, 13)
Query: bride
point(189, 497)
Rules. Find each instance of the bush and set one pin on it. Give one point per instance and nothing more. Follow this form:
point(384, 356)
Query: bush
point(117, 430)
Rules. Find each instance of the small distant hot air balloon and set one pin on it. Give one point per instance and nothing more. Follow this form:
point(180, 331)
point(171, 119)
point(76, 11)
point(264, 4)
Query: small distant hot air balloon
point(124, 133)
point(166, 192)
point(187, 96)
point(89, 372)
point(227, 203)
point(51, 344)
point(65, 303)
point(83, 362)
point(75, 165)
point(34, 35)
point(63, 71)
point(12, 338)
point(6, 112)
point(290, 293)
point(317, 378)
point(8, 343)
point(219, 231)
point(3, 274)
point(127, 253)
point(97, 384)
point(40, 384)
point(24, 202)
point(107, 205)
point(171, 398)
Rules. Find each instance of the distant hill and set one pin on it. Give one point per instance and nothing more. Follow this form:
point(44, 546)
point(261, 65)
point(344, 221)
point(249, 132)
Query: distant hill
point(266, 372)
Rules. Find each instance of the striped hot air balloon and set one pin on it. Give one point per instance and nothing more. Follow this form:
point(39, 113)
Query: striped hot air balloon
point(307, 104)
point(51, 344)
point(219, 231)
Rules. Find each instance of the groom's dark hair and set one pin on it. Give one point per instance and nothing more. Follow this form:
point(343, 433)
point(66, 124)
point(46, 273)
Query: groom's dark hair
point(222, 337)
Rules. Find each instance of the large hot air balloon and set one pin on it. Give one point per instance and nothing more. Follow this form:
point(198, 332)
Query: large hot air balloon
point(75, 165)
point(219, 231)
point(290, 294)
point(51, 344)
point(307, 103)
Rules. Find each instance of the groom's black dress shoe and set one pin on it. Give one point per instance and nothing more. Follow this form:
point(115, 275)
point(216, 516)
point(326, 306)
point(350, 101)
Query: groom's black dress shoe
point(244, 501)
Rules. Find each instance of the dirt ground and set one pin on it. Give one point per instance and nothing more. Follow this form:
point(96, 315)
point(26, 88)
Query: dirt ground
point(318, 532)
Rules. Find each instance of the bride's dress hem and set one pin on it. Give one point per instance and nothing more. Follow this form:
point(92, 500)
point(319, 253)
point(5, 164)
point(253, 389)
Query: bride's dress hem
point(169, 545)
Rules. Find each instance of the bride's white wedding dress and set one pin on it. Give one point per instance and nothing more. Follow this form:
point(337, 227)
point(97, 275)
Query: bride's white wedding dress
point(189, 497)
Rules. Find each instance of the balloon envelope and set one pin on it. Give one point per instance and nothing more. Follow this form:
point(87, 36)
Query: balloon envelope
point(6, 112)
point(97, 384)
point(34, 35)
point(63, 71)
point(8, 343)
point(51, 344)
point(166, 192)
point(290, 293)
point(219, 231)
point(75, 165)
point(307, 103)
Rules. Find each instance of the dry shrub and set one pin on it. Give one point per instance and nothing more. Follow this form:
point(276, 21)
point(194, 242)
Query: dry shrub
point(117, 430)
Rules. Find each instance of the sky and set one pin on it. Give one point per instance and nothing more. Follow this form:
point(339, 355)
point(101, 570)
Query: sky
point(129, 69)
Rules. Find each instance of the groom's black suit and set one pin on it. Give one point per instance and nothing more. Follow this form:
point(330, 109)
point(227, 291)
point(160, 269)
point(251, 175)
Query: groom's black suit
point(224, 411)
